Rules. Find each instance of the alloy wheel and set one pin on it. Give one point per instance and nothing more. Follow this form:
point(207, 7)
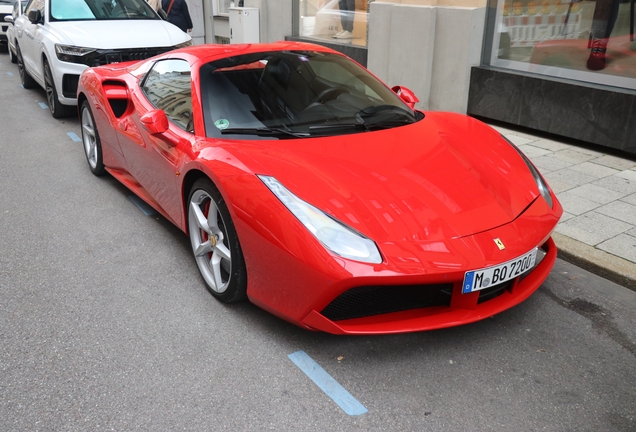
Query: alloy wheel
point(89, 138)
point(209, 239)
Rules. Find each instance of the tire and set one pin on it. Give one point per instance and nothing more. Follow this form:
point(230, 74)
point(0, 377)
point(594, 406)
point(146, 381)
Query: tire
point(215, 244)
point(58, 110)
point(27, 81)
point(91, 142)
point(12, 56)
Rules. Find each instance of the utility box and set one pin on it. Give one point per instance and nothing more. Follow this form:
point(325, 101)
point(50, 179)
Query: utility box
point(244, 25)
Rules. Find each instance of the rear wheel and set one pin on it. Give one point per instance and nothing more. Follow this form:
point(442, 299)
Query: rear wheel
point(27, 81)
point(91, 141)
point(215, 244)
point(58, 110)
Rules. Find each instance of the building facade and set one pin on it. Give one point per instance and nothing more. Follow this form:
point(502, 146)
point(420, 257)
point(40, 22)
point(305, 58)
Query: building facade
point(558, 66)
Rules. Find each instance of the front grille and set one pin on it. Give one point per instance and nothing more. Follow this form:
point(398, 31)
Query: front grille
point(494, 291)
point(104, 57)
point(375, 300)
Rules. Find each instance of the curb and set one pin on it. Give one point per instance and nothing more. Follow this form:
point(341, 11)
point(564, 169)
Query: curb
point(601, 263)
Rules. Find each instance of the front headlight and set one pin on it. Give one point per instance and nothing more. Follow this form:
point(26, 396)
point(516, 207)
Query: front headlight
point(541, 184)
point(73, 54)
point(183, 45)
point(334, 235)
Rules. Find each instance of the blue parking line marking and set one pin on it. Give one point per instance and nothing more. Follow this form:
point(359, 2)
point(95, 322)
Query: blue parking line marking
point(10, 73)
point(74, 136)
point(148, 211)
point(43, 105)
point(327, 384)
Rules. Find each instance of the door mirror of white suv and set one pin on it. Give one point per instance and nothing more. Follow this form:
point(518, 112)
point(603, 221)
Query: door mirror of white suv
point(35, 16)
point(9, 19)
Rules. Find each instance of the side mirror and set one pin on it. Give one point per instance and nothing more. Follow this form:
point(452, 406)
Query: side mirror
point(155, 121)
point(406, 95)
point(35, 16)
point(9, 19)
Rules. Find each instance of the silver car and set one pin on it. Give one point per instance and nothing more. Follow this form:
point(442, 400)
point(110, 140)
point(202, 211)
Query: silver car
point(9, 19)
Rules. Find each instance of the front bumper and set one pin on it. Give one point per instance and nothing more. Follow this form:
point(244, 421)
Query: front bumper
point(462, 308)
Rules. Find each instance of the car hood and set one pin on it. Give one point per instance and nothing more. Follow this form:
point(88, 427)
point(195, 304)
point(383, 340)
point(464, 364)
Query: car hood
point(118, 34)
point(445, 177)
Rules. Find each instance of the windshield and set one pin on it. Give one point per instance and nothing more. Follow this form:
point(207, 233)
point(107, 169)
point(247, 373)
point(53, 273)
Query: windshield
point(72, 10)
point(295, 94)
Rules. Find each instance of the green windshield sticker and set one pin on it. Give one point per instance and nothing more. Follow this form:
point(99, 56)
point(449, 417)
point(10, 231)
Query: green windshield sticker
point(222, 124)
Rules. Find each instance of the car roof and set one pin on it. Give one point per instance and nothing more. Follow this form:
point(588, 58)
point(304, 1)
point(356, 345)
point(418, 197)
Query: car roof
point(210, 52)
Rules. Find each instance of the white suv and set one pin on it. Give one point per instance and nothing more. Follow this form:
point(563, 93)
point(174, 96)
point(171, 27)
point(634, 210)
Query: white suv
point(58, 39)
point(6, 6)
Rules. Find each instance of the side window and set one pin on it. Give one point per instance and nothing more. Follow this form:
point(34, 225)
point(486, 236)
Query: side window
point(35, 5)
point(169, 88)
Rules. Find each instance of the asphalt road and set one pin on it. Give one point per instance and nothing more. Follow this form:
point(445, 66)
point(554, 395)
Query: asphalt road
point(105, 325)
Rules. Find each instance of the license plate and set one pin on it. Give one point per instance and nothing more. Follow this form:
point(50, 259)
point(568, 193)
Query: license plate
point(479, 279)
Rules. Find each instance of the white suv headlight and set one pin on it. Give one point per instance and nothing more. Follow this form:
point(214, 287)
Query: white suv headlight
point(72, 54)
point(334, 235)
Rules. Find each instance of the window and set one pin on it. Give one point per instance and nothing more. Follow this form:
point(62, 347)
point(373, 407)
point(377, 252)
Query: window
point(295, 94)
point(222, 7)
point(35, 5)
point(341, 21)
point(168, 87)
point(67, 10)
point(588, 41)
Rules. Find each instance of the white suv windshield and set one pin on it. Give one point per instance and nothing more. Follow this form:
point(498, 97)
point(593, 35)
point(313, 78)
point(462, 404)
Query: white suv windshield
point(71, 10)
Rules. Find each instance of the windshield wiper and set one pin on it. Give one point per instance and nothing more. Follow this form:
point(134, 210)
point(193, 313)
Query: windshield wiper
point(264, 131)
point(361, 124)
point(318, 128)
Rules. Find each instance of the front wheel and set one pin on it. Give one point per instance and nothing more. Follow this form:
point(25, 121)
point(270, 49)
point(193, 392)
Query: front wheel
point(27, 81)
point(58, 110)
point(91, 141)
point(215, 244)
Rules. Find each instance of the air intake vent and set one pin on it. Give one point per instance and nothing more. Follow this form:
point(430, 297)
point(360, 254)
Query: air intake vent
point(375, 300)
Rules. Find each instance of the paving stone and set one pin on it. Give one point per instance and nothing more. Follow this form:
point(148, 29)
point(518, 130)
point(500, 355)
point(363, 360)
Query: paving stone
point(531, 151)
point(593, 169)
point(518, 140)
point(566, 216)
point(575, 204)
point(573, 156)
point(596, 193)
point(548, 163)
point(587, 151)
point(592, 228)
point(502, 130)
point(557, 185)
point(615, 162)
point(632, 232)
point(622, 245)
point(617, 184)
point(550, 145)
point(620, 210)
point(628, 174)
point(569, 177)
point(630, 199)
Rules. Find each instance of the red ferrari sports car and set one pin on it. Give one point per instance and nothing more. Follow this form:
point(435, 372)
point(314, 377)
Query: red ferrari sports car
point(309, 187)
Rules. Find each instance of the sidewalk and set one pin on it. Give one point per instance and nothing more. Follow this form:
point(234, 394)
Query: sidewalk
point(598, 194)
